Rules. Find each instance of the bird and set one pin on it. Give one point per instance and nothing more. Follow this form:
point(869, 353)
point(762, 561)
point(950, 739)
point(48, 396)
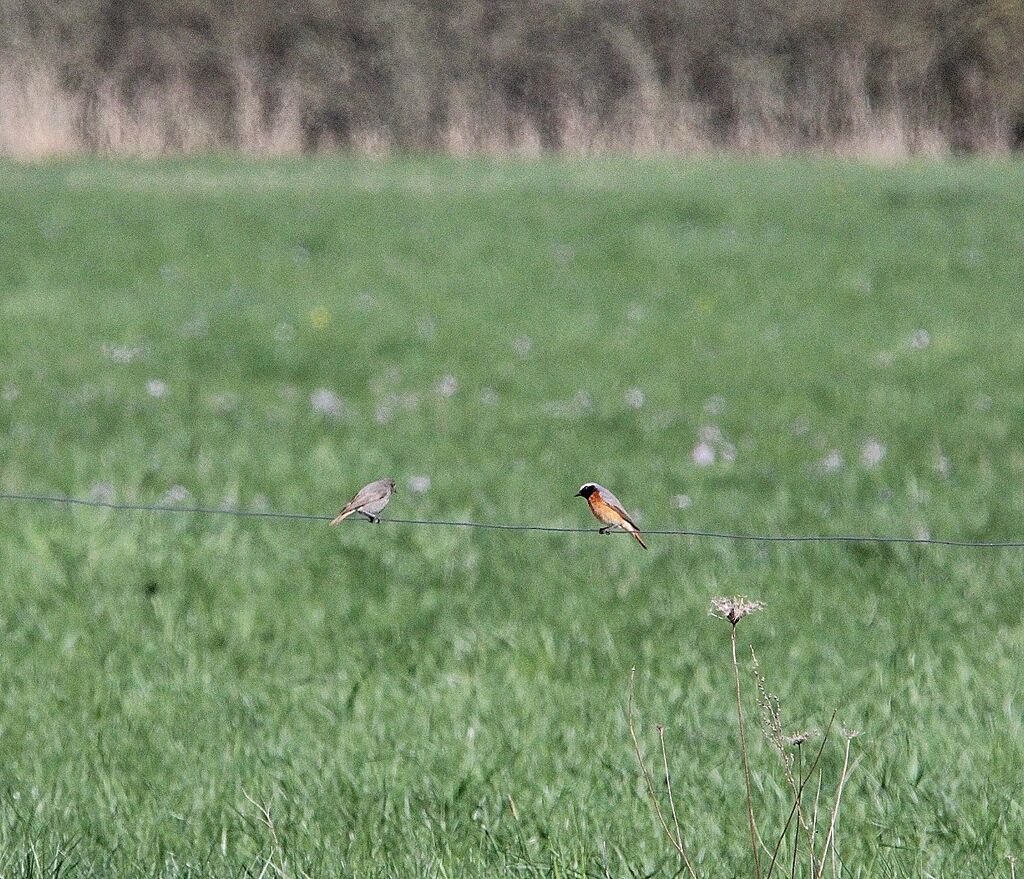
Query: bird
point(368, 501)
point(608, 509)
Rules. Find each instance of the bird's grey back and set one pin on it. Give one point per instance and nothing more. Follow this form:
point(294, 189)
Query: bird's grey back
point(609, 496)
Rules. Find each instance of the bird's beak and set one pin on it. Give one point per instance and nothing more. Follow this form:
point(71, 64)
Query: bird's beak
point(578, 494)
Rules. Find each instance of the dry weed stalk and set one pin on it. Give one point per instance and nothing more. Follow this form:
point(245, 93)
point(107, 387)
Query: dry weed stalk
point(675, 838)
point(790, 750)
point(732, 610)
point(275, 861)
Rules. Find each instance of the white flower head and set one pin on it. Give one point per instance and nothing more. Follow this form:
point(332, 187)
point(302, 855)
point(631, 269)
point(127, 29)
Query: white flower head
point(703, 454)
point(635, 398)
point(102, 492)
point(714, 405)
point(176, 494)
point(419, 484)
point(325, 402)
point(832, 462)
point(919, 340)
point(156, 388)
point(448, 386)
point(284, 332)
point(682, 501)
point(872, 453)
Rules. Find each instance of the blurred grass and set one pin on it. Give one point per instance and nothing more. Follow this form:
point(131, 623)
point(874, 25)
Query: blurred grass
point(387, 690)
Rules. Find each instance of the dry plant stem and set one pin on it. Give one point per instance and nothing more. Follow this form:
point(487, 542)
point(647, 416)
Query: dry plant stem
point(799, 816)
point(830, 838)
point(754, 838)
point(676, 840)
point(1013, 866)
point(668, 781)
point(814, 825)
point(798, 796)
point(275, 845)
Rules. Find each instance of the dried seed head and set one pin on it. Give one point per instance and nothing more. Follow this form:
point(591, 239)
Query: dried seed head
point(798, 738)
point(733, 609)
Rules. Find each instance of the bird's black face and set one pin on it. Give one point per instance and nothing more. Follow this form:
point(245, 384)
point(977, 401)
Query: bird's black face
point(586, 490)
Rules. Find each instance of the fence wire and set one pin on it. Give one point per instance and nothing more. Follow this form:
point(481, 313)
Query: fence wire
point(500, 526)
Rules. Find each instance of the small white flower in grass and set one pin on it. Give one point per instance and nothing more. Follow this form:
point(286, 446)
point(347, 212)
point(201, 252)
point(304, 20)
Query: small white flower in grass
point(635, 398)
point(564, 253)
point(832, 462)
point(448, 386)
point(156, 388)
point(682, 501)
point(872, 453)
point(714, 405)
point(919, 340)
point(325, 402)
point(943, 466)
point(734, 609)
point(223, 402)
point(121, 353)
point(884, 358)
point(703, 454)
point(983, 403)
point(522, 345)
point(419, 484)
point(384, 414)
point(582, 401)
point(489, 397)
point(728, 451)
point(426, 328)
point(176, 494)
point(10, 392)
point(102, 492)
point(636, 312)
point(284, 332)
point(196, 327)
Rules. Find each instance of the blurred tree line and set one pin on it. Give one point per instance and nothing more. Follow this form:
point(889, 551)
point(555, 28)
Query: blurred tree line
point(576, 75)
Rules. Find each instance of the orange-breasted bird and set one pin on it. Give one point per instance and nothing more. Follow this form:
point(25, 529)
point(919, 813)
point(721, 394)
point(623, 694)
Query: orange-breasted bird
point(368, 501)
point(609, 510)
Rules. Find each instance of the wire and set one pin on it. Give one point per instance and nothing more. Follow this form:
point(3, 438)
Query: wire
point(497, 526)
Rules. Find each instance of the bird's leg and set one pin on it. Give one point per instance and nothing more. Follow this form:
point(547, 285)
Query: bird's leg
point(604, 530)
point(375, 520)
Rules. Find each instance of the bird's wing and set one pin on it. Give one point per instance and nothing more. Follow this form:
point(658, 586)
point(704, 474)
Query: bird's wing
point(368, 493)
point(615, 504)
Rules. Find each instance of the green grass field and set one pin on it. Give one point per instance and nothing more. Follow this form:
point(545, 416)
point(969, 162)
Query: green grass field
point(845, 341)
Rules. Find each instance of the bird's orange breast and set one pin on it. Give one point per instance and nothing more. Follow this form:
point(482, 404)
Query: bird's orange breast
point(604, 511)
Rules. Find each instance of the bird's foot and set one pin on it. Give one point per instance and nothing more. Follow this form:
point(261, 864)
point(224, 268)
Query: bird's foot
point(604, 530)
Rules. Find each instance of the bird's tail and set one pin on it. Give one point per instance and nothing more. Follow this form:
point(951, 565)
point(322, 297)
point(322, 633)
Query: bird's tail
point(342, 516)
point(639, 539)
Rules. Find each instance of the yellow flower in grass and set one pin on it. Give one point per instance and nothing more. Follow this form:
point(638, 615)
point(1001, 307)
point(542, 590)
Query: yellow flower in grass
point(319, 318)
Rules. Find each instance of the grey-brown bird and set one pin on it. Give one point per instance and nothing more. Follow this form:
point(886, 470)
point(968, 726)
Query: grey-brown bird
point(368, 501)
point(608, 509)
